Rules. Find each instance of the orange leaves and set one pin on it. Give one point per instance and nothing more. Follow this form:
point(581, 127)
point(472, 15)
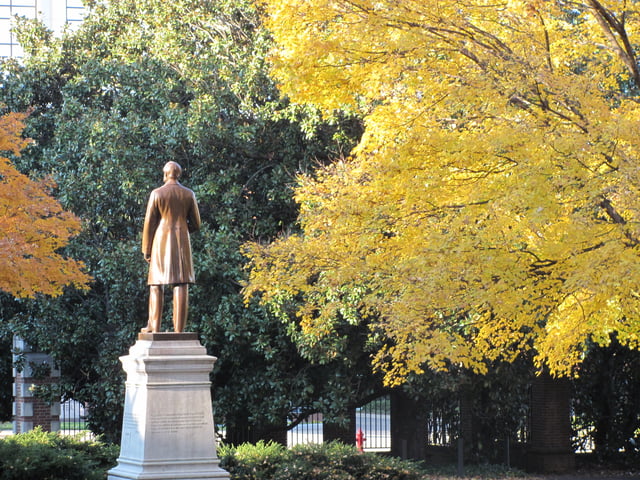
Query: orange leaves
point(11, 126)
point(33, 227)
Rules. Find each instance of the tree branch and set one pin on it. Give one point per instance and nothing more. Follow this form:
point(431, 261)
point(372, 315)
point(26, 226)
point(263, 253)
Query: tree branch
point(611, 24)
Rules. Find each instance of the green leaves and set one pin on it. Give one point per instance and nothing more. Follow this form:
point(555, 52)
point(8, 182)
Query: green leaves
point(137, 84)
point(332, 461)
point(39, 454)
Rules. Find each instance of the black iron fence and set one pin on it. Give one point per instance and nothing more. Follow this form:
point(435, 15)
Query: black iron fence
point(73, 419)
point(307, 430)
point(440, 429)
point(373, 419)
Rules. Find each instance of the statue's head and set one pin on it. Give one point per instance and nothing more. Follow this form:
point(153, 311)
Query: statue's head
point(172, 170)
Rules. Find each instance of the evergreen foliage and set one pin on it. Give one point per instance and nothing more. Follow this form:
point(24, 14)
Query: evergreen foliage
point(140, 83)
point(329, 461)
point(6, 379)
point(49, 456)
point(605, 403)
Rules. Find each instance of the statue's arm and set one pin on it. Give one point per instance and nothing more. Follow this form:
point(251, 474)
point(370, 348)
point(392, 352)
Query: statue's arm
point(193, 220)
point(151, 220)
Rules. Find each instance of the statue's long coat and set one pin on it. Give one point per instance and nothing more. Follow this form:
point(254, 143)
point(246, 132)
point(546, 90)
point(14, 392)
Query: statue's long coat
point(172, 213)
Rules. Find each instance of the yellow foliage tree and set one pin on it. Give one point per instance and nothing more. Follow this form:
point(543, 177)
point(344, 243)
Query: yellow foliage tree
point(492, 205)
point(33, 226)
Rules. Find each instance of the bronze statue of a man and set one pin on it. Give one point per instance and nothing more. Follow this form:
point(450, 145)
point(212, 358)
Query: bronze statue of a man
point(172, 214)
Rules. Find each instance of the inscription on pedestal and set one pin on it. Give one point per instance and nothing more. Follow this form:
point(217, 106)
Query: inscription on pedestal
point(168, 423)
point(176, 422)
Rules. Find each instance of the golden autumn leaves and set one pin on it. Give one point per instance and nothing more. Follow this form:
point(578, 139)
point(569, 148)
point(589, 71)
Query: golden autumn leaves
point(491, 207)
point(33, 227)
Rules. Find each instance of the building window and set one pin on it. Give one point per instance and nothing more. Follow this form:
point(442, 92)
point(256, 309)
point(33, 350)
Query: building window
point(55, 14)
point(9, 46)
point(75, 11)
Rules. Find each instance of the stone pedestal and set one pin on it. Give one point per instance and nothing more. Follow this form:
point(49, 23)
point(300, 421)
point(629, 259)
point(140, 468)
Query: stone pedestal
point(167, 429)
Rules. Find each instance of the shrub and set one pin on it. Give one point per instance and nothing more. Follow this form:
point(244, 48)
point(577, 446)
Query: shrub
point(330, 461)
point(252, 462)
point(50, 456)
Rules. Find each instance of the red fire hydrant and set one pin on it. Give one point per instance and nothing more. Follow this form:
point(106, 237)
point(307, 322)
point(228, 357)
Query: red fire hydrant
point(360, 440)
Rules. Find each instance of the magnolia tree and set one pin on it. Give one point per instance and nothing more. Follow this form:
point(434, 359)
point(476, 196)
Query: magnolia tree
point(138, 83)
point(491, 206)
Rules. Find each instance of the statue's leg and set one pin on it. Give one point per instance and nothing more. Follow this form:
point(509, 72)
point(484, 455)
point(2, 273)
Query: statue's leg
point(180, 307)
point(156, 299)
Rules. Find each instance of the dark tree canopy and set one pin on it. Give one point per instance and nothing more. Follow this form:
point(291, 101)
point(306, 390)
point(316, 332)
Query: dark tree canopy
point(140, 83)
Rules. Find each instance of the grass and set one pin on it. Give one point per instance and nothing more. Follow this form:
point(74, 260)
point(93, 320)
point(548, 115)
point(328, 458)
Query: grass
point(73, 426)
